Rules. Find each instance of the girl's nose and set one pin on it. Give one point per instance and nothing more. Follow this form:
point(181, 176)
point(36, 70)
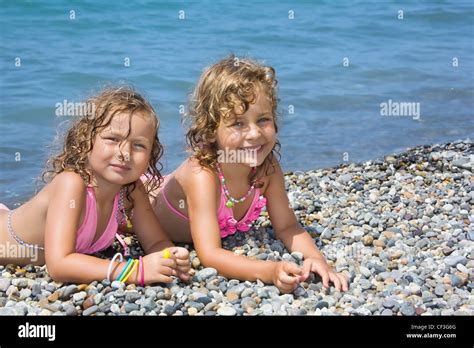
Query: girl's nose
point(253, 132)
point(124, 151)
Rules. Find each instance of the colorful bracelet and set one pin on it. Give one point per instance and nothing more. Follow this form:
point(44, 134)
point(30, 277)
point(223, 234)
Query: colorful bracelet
point(111, 263)
point(142, 272)
point(127, 266)
point(131, 270)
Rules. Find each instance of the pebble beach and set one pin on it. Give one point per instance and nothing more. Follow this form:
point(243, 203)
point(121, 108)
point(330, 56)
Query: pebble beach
point(400, 227)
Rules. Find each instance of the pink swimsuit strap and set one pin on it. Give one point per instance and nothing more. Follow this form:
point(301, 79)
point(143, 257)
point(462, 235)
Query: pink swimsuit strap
point(85, 234)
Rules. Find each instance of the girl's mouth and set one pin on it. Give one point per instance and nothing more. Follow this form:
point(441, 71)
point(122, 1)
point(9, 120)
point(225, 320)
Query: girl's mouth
point(257, 148)
point(120, 168)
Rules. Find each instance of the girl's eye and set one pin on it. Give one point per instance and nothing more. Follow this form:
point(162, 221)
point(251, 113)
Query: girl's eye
point(238, 124)
point(141, 146)
point(265, 119)
point(112, 139)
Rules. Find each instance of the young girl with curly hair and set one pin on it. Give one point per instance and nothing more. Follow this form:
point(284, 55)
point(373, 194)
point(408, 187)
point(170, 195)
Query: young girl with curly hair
point(232, 174)
point(93, 186)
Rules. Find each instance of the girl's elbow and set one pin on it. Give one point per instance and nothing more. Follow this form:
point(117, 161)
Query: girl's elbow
point(57, 274)
point(57, 270)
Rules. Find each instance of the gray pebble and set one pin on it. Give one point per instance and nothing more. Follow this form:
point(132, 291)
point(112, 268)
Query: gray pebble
point(205, 274)
point(453, 260)
point(91, 310)
point(407, 308)
point(226, 311)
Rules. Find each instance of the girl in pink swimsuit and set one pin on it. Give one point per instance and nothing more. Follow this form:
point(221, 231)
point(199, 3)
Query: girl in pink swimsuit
point(93, 187)
point(232, 174)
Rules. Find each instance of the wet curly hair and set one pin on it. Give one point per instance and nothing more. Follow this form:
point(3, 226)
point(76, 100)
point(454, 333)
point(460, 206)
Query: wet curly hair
point(232, 82)
point(79, 139)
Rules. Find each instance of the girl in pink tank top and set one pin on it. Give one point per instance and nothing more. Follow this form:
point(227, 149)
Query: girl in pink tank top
point(93, 187)
point(233, 173)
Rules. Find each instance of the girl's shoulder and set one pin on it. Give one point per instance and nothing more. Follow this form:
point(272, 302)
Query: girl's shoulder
point(66, 182)
point(273, 173)
point(192, 167)
point(68, 179)
point(191, 173)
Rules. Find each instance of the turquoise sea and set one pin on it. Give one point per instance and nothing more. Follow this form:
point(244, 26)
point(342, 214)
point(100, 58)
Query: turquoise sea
point(336, 62)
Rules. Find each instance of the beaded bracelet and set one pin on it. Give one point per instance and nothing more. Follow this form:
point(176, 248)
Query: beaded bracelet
point(131, 270)
point(111, 263)
point(142, 272)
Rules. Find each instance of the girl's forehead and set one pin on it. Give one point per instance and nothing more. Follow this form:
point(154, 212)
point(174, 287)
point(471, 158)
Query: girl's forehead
point(141, 123)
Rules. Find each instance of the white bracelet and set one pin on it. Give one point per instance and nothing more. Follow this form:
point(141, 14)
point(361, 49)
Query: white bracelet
point(111, 263)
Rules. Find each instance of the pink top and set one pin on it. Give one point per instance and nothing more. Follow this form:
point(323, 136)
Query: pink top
point(225, 216)
point(86, 233)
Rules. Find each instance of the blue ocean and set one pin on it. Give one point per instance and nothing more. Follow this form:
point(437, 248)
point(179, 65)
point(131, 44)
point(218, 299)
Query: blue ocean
point(341, 66)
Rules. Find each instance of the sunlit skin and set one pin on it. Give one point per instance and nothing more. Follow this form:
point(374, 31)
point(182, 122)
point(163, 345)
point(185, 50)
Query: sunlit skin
point(194, 191)
point(52, 217)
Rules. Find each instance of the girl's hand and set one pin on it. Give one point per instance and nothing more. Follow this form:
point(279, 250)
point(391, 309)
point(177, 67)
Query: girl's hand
point(286, 276)
point(183, 265)
point(320, 267)
point(158, 269)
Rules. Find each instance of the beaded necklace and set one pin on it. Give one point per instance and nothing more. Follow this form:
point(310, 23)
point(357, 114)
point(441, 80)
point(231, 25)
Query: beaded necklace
point(231, 201)
point(122, 217)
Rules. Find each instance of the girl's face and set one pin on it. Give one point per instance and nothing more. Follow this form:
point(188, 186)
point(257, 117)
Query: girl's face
point(120, 159)
point(251, 133)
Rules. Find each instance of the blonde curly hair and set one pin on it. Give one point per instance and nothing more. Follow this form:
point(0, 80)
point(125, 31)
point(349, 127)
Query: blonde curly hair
point(79, 139)
point(229, 83)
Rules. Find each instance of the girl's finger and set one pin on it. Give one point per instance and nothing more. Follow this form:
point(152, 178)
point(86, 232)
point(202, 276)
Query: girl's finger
point(180, 253)
point(343, 281)
point(284, 288)
point(164, 279)
point(335, 279)
point(291, 268)
point(168, 263)
point(182, 262)
point(167, 271)
point(288, 280)
point(183, 276)
point(324, 275)
point(306, 269)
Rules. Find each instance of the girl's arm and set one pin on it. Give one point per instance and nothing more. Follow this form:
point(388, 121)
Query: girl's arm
point(283, 219)
point(293, 235)
point(145, 223)
point(201, 196)
point(62, 221)
point(152, 236)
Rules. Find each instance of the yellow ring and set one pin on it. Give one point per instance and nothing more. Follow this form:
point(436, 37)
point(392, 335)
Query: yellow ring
point(166, 253)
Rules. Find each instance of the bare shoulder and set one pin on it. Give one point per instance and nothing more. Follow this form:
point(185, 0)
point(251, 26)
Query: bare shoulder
point(274, 174)
point(69, 181)
point(192, 173)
